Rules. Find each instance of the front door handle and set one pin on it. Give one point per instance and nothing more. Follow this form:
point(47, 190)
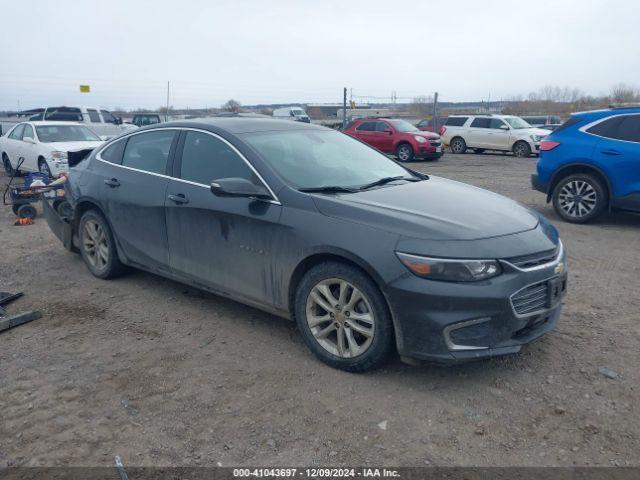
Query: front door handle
point(112, 182)
point(178, 198)
point(611, 152)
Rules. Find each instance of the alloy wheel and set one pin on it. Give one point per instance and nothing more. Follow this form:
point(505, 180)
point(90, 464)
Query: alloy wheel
point(520, 150)
point(94, 243)
point(404, 153)
point(457, 146)
point(577, 198)
point(340, 318)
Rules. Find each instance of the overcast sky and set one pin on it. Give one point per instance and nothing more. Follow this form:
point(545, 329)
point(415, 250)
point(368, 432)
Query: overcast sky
point(259, 51)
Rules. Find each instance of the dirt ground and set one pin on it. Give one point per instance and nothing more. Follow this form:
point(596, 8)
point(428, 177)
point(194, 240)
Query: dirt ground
point(163, 374)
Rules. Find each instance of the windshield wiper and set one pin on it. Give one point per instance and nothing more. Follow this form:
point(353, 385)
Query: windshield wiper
point(328, 189)
point(386, 180)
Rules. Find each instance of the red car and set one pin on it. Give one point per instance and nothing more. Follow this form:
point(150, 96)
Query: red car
point(397, 137)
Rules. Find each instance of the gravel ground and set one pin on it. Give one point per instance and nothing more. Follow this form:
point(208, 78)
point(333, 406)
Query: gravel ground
point(163, 374)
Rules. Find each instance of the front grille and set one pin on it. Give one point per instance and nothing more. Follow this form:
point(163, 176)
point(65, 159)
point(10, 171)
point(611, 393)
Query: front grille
point(435, 143)
point(534, 260)
point(531, 299)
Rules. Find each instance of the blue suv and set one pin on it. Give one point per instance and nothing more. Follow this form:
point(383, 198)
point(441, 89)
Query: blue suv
point(591, 164)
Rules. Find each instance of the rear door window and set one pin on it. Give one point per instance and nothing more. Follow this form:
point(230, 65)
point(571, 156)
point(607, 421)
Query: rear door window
point(206, 158)
point(456, 121)
point(481, 122)
point(606, 128)
point(113, 153)
point(93, 115)
point(629, 129)
point(367, 127)
point(149, 151)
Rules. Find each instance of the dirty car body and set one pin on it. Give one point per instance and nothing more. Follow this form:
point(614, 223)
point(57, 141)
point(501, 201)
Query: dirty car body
point(258, 247)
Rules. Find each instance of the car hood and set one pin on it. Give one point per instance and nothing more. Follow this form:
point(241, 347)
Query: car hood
point(425, 134)
point(533, 131)
point(434, 209)
point(72, 146)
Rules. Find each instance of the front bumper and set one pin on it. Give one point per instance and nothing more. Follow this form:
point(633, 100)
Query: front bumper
point(431, 149)
point(447, 322)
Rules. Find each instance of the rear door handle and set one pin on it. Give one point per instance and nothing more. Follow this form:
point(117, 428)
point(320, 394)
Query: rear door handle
point(178, 198)
point(112, 182)
point(611, 152)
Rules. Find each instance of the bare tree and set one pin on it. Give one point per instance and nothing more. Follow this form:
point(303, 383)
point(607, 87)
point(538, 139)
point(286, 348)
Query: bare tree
point(231, 106)
point(623, 93)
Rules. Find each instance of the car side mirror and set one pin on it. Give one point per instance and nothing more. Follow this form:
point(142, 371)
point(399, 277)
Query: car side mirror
point(28, 140)
point(118, 121)
point(504, 127)
point(238, 187)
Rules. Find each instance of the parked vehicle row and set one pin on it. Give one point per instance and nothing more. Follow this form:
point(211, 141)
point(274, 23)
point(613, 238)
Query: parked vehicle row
point(44, 146)
point(100, 120)
point(396, 137)
point(506, 133)
point(591, 164)
point(305, 222)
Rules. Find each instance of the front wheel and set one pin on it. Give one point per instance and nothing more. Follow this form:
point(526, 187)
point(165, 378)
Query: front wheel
point(43, 167)
point(458, 145)
point(521, 149)
point(97, 246)
point(404, 153)
point(579, 198)
point(343, 317)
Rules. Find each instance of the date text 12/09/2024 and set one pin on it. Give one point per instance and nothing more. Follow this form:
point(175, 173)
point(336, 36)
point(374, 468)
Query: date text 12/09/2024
point(315, 472)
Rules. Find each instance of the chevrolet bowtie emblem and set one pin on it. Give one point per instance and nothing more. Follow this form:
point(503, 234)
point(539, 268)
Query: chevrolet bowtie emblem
point(559, 268)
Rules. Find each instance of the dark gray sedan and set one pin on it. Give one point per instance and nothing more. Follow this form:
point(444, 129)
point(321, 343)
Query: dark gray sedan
point(305, 222)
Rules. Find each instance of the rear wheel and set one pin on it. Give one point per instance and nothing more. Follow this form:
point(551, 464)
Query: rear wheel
point(7, 165)
point(404, 152)
point(26, 211)
point(521, 149)
point(580, 198)
point(343, 317)
point(458, 145)
point(98, 247)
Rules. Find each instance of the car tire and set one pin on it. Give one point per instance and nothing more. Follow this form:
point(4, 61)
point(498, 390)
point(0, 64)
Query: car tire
point(591, 201)
point(366, 341)
point(43, 167)
point(98, 247)
point(26, 211)
point(458, 145)
point(6, 163)
point(404, 152)
point(521, 149)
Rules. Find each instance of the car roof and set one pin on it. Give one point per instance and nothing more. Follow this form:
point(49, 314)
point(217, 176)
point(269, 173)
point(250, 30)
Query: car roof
point(38, 123)
point(238, 125)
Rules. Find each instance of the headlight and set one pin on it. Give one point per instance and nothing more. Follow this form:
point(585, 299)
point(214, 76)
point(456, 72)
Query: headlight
point(59, 155)
point(419, 139)
point(450, 270)
point(537, 138)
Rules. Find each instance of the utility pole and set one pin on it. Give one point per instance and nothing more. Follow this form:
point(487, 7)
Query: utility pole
point(344, 107)
point(435, 112)
point(166, 114)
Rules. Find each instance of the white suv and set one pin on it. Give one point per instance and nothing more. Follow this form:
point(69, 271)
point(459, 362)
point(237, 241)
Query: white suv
point(492, 132)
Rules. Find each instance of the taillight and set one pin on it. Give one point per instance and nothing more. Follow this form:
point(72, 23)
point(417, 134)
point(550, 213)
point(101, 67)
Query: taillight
point(442, 130)
point(546, 145)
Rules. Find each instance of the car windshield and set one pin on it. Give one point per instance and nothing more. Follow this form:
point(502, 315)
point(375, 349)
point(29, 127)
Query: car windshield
point(403, 126)
point(65, 133)
point(517, 123)
point(298, 112)
point(319, 158)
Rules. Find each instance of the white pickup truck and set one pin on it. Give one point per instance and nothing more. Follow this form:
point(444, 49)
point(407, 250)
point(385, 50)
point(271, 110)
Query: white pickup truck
point(100, 120)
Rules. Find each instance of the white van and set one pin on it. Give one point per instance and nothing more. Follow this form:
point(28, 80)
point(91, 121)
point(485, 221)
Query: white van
point(291, 113)
point(101, 121)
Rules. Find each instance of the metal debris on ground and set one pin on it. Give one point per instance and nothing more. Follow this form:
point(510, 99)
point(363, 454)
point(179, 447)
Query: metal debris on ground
point(7, 322)
point(120, 468)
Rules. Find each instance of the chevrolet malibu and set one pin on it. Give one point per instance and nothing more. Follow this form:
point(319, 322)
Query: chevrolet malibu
point(367, 256)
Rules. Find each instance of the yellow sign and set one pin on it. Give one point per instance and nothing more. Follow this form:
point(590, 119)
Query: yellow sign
point(85, 89)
